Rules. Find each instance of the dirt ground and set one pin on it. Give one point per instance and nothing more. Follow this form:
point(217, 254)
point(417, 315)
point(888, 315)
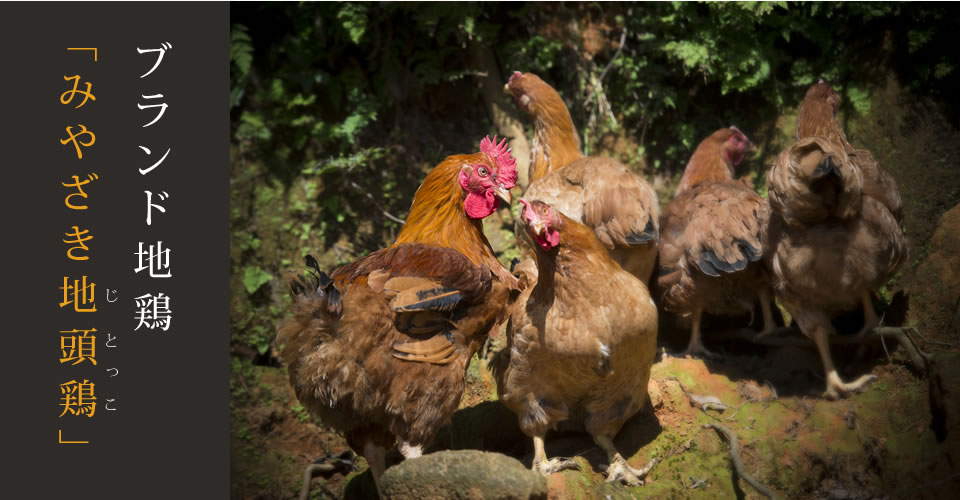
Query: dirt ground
point(879, 443)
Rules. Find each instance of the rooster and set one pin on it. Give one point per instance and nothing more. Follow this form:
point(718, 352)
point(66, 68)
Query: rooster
point(830, 238)
point(379, 349)
point(600, 192)
point(710, 240)
point(581, 340)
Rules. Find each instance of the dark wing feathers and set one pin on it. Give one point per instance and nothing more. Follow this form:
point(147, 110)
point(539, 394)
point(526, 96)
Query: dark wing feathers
point(434, 298)
point(648, 235)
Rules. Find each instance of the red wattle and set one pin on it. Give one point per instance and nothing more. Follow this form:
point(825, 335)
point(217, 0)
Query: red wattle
point(479, 206)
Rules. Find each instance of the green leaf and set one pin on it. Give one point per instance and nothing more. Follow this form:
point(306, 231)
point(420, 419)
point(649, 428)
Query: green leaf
point(254, 278)
point(353, 17)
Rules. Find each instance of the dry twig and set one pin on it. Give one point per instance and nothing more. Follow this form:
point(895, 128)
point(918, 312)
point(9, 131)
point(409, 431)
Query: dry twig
point(738, 462)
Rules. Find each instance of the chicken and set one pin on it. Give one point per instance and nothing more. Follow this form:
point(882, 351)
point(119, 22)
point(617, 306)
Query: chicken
point(379, 349)
point(581, 340)
point(827, 243)
point(710, 240)
point(715, 158)
point(817, 117)
point(600, 192)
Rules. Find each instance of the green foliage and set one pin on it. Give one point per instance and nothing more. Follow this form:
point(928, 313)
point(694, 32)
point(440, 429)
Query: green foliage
point(688, 68)
point(254, 278)
point(241, 59)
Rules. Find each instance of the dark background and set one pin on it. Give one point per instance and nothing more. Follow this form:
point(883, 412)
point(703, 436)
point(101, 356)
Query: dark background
point(168, 435)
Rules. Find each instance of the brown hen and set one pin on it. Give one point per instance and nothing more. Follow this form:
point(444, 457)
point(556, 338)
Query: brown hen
point(827, 242)
point(817, 117)
point(710, 241)
point(600, 192)
point(379, 349)
point(580, 341)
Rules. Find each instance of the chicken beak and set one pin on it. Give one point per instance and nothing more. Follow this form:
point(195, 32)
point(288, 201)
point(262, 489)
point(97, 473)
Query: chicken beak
point(502, 193)
point(538, 227)
point(506, 89)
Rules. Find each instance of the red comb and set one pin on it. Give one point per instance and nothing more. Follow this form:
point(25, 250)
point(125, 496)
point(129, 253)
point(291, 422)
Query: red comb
point(500, 154)
point(738, 131)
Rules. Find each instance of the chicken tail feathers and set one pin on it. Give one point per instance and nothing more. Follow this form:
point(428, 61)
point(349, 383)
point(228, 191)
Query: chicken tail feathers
point(318, 285)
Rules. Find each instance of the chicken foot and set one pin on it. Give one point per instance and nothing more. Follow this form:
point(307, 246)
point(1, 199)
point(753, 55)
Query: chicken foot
point(836, 388)
point(619, 470)
point(410, 451)
point(555, 464)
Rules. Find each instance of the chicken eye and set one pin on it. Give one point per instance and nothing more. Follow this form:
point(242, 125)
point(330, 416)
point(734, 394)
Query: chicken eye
point(482, 171)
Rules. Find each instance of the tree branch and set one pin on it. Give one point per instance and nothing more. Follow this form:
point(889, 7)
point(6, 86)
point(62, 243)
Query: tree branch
point(738, 462)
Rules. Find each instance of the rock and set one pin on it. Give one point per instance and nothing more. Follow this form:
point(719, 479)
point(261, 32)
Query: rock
point(935, 291)
point(944, 380)
point(489, 426)
point(655, 394)
point(463, 474)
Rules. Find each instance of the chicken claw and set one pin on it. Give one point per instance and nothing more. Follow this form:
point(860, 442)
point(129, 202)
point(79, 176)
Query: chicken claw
point(837, 389)
point(555, 464)
point(619, 470)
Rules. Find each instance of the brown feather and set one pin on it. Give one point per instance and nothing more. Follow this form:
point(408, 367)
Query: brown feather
point(430, 297)
point(422, 322)
point(436, 349)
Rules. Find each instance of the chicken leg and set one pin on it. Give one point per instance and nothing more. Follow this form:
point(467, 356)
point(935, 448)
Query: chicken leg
point(619, 470)
point(555, 464)
point(377, 461)
point(836, 388)
point(870, 318)
point(695, 348)
point(769, 325)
